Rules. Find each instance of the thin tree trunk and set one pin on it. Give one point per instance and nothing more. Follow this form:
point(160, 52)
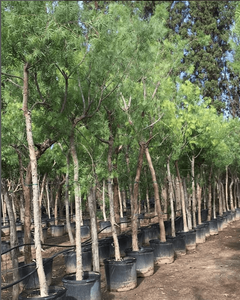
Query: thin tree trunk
point(156, 196)
point(77, 193)
point(193, 192)
point(226, 189)
point(199, 200)
point(129, 176)
point(231, 195)
point(214, 201)
point(219, 195)
point(13, 239)
point(187, 204)
point(209, 217)
point(48, 200)
point(185, 227)
point(69, 230)
point(22, 208)
point(223, 198)
point(111, 200)
point(4, 210)
point(120, 201)
point(94, 235)
point(33, 162)
point(116, 202)
point(171, 198)
point(104, 205)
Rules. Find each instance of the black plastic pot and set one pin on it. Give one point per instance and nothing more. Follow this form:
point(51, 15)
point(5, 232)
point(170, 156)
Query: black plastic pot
point(220, 223)
point(104, 246)
point(72, 225)
point(145, 260)
point(85, 231)
point(121, 275)
point(57, 230)
point(20, 234)
point(106, 225)
point(125, 241)
point(44, 231)
point(179, 224)
point(237, 213)
point(5, 229)
point(32, 281)
point(179, 244)
point(204, 214)
point(5, 245)
point(89, 288)
point(86, 222)
point(70, 259)
point(50, 222)
point(213, 227)
point(190, 239)
point(168, 227)
point(149, 233)
point(200, 234)
point(124, 222)
point(140, 238)
point(54, 293)
point(163, 252)
point(207, 228)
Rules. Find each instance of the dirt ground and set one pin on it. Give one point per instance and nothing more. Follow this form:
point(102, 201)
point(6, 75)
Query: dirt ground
point(211, 272)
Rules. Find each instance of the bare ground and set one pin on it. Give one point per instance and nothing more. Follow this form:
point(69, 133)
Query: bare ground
point(211, 272)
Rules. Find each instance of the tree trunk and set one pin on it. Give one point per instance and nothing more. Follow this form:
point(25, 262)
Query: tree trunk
point(48, 200)
point(199, 200)
point(13, 239)
point(193, 192)
point(69, 230)
point(111, 200)
point(77, 193)
point(156, 196)
point(223, 198)
point(187, 204)
point(94, 234)
point(104, 206)
point(185, 227)
point(22, 208)
point(171, 198)
point(120, 201)
point(226, 189)
point(130, 178)
point(4, 210)
point(231, 195)
point(33, 162)
point(214, 201)
point(209, 217)
point(219, 194)
point(116, 202)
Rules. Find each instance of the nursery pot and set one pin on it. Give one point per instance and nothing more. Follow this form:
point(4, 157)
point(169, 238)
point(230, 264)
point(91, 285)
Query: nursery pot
point(237, 214)
point(179, 224)
point(124, 241)
point(104, 247)
point(213, 226)
point(54, 293)
point(44, 231)
point(85, 231)
point(200, 234)
point(57, 230)
point(86, 222)
point(72, 226)
point(5, 229)
point(89, 288)
point(32, 281)
point(70, 259)
point(179, 244)
point(206, 227)
point(190, 239)
point(168, 228)
point(121, 275)
point(149, 233)
point(220, 223)
point(124, 222)
point(204, 214)
point(145, 260)
point(106, 225)
point(163, 252)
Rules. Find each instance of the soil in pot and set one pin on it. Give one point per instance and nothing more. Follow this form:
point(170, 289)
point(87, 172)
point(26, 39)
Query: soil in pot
point(145, 260)
point(163, 252)
point(121, 275)
point(87, 289)
point(32, 281)
point(54, 293)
